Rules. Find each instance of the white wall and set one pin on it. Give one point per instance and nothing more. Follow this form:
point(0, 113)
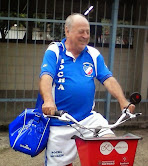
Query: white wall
point(20, 66)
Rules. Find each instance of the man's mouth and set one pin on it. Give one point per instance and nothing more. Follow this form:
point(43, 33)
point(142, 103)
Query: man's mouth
point(83, 41)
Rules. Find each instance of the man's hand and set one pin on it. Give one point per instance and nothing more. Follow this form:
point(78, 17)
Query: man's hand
point(131, 107)
point(49, 108)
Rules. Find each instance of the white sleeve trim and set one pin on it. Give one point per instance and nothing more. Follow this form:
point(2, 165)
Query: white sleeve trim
point(54, 47)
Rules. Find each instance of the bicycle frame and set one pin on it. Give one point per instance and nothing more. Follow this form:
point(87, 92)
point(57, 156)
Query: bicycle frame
point(99, 151)
point(105, 150)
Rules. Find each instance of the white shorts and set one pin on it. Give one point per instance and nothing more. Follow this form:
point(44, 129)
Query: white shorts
point(61, 149)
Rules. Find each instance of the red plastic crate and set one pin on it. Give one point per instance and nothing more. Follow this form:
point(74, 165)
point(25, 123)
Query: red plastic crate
point(114, 151)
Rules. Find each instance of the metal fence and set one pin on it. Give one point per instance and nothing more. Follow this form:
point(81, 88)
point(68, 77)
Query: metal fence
point(118, 31)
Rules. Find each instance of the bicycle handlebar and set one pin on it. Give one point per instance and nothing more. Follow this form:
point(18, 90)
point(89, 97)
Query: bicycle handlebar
point(59, 113)
point(64, 116)
point(135, 98)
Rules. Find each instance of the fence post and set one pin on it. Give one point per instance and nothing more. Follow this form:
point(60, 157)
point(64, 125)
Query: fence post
point(112, 43)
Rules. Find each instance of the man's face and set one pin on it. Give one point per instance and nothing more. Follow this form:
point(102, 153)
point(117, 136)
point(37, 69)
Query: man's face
point(78, 34)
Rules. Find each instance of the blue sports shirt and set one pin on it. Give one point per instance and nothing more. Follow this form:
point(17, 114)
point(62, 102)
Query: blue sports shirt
point(74, 87)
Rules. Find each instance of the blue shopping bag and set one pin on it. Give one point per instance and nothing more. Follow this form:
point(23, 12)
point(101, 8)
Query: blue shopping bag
point(29, 132)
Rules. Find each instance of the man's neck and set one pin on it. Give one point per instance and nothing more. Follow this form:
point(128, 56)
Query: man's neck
point(75, 52)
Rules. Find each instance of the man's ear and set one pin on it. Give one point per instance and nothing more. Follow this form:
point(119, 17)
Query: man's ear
point(66, 31)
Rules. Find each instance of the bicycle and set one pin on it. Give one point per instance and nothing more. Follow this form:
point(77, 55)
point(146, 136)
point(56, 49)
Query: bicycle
point(97, 151)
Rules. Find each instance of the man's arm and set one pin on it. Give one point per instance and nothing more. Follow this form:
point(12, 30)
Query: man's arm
point(115, 90)
point(45, 85)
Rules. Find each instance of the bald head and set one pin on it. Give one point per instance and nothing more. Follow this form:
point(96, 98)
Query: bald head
point(75, 17)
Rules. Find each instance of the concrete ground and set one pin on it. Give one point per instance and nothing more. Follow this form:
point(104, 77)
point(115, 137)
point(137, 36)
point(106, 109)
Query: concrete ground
point(8, 157)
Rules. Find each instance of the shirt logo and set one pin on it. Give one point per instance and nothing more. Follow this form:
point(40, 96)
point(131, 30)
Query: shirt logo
point(88, 69)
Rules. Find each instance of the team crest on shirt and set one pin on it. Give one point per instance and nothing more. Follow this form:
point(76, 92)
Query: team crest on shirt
point(88, 69)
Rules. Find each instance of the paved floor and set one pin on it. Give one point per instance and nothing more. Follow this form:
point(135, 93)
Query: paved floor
point(9, 157)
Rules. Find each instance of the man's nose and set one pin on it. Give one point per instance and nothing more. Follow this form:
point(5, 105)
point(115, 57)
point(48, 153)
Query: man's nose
point(85, 35)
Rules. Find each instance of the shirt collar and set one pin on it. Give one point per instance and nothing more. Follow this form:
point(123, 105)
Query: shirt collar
point(64, 47)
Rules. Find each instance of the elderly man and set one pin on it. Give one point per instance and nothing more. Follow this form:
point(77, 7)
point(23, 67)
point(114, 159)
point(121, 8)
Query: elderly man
point(67, 83)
